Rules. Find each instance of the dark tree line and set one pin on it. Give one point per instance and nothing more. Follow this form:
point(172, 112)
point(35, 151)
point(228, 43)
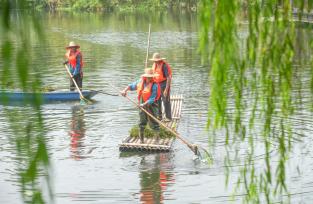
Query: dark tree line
point(100, 5)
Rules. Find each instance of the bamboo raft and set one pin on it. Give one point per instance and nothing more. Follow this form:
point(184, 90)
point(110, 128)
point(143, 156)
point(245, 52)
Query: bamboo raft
point(151, 144)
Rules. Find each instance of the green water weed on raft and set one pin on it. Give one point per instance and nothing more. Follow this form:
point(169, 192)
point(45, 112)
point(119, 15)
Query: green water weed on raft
point(148, 132)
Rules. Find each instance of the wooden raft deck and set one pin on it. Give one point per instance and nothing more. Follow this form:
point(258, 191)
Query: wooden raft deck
point(150, 144)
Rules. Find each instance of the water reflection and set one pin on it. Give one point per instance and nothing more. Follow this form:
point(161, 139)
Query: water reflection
point(115, 47)
point(77, 132)
point(155, 177)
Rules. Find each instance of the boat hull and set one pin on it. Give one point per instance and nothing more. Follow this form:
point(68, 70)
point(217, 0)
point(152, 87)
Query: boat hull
point(46, 96)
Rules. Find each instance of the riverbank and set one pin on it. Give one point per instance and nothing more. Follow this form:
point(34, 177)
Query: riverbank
point(116, 5)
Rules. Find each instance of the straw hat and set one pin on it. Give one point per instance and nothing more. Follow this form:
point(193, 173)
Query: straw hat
point(72, 44)
point(149, 73)
point(157, 57)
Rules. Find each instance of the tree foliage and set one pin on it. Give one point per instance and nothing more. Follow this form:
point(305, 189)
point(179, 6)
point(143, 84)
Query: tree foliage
point(258, 68)
point(20, 31)
point(100, 5)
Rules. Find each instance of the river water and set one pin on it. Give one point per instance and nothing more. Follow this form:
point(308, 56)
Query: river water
point(87, 166)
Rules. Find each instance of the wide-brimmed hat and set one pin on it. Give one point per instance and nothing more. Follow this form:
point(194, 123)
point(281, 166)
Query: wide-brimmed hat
point(157, 57)
point(149, 73)
point(72, 44)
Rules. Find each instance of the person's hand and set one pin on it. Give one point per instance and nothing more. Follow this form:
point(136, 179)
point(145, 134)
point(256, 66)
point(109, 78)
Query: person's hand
point(124, 92)
point(65, 62)
point(143, 104)
point(165, 92)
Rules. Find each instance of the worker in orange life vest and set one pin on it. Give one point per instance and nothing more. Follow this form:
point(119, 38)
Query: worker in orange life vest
point(75, 64)
point(164, 77)
point(148, 94)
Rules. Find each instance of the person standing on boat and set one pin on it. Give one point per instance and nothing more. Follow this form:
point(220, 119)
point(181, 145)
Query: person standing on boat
point(75, 63)
point(148, 94)
point(164, 78)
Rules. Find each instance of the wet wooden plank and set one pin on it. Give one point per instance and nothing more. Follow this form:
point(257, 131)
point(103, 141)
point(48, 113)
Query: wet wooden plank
point(148, 140)
point(127, 139)
point(152, 144)
point(147, 145)
point(166, 141)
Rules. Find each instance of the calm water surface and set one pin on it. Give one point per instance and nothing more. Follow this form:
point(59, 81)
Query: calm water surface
point(87, 166)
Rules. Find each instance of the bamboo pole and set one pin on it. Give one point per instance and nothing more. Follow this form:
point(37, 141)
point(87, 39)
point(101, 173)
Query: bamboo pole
point(147, 55)
point(78, 89)
point(193, 147)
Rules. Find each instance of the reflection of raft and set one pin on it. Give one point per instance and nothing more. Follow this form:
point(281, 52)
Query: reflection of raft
point(151, 144)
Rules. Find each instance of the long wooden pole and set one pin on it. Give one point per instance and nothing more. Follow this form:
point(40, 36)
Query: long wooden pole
point(148, 46)
point(193, 147)
point(78, 89)
point(103, 92)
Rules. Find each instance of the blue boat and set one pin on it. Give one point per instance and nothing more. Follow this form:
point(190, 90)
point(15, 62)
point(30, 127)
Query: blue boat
point(46, 96)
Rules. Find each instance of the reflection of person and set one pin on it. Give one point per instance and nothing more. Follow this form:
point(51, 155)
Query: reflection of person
point(154, 181)
point(77, 131)
point(164, 77)
point(148, 93)
point(75, 63)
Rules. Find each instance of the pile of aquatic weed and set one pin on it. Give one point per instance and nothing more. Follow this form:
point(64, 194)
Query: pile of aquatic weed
point(134, 132)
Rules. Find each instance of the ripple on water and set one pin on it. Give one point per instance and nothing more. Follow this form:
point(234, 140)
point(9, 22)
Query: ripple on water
point(83, 140)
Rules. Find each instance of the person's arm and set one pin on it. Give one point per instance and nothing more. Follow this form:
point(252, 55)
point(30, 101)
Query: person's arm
point(71, 68)
point(168, 80)
point(78, 65)
point(131, 87)
point(124, 92)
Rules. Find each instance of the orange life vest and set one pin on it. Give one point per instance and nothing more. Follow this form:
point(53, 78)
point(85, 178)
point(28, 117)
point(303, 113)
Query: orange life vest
point(146, 91)
point(72, 58)
point(158, 68)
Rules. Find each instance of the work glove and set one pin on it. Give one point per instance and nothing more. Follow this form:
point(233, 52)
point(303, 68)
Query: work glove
point(142, 105)
point(124, 92)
